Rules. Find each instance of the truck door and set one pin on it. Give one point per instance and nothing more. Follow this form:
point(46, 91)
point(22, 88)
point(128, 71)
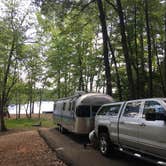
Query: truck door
point(152, 134)
point(128, 125)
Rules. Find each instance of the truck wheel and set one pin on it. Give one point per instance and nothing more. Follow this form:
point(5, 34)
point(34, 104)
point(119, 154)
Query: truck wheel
point(104, 144)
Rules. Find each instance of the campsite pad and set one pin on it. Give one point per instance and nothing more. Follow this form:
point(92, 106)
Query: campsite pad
point(26, 149)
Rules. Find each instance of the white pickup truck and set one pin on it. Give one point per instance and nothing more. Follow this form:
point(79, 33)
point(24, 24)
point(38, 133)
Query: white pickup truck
point(137, 127)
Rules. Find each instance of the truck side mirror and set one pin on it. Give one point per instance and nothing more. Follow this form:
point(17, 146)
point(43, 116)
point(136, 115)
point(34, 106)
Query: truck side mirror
point(149, 116)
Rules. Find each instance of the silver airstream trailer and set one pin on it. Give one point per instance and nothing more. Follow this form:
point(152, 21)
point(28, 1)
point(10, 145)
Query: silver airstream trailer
point(76, 113)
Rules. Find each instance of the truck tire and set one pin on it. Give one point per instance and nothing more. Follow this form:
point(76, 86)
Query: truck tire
point(104, 144)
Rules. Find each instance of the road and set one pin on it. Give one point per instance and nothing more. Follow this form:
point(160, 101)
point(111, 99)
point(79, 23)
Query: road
point(69, 148)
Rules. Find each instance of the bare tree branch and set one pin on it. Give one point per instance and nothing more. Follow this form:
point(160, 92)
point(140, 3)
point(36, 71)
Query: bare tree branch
point(110, 3)
point(82, 9)
point(85, 6)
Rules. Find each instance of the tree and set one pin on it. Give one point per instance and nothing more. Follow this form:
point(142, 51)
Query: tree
point(134, 43)
point(12, 36)
point(125, 50)
point(105, 47)
point(13, 28)
point(149, 49)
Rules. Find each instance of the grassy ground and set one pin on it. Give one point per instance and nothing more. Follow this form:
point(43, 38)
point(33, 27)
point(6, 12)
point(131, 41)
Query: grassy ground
point(25, 123)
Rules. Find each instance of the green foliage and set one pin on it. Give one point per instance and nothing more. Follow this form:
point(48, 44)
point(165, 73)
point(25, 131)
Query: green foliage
point(67, 52)
point(71, 52)
point(72, 44)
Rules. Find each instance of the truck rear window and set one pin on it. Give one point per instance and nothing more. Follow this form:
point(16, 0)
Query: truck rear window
point(132, 109)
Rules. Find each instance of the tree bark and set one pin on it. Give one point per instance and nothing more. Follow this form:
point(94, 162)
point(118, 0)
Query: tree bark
point(117, 72)
point(125, 50)
point(149, 49)
point(4, 97)
point(143, 76)
point(165, 50)
point(81, 81)
point(105, 47)
point(59, 83)
point(91, 83)
point(159, 67)
point(136, 53)
point(30, 99)
point(26, 109)
point(2, 123)
point(40, 103)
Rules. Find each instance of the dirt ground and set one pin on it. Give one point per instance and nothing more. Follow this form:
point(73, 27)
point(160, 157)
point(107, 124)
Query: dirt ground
point(26, 148)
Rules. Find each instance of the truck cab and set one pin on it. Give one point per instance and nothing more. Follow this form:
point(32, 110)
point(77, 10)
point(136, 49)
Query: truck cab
point(137, 127)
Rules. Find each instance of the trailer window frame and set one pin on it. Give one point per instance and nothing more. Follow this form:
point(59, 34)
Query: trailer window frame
point(83, 111)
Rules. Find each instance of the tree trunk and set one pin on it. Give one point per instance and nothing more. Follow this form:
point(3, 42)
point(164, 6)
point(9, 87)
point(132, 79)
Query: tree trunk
point(3, 97)
point(105, 47)
point(33, 104)
point(66, 85)
point(159, 67)
point(59, 83)
point(2, 121)
point(136, 53)
point(165, 50)
point(26, 110)
point(19, 106)
point(91, 82)
point(143, 73)
point(149, 49)
point(86, 81)
point(40, 103)
point(81, 81)
point(125, 51)
point(30, 100)
point(117, 73)
point(16, 105)
point(30, 108)
point(19, 109)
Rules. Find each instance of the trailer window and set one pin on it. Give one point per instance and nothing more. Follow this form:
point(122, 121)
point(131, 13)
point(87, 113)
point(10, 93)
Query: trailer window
point(70, 104)
point(73, 106)
point(64, 106)
point(94, 110)
point(83, 111)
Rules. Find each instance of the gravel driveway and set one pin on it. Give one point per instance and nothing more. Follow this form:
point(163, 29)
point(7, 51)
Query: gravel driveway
point(26, 149)
point(69, 148)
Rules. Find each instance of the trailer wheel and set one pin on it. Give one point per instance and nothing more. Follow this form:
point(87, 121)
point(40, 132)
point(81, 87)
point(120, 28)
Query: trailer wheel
point(61, 129)
point(104, 144)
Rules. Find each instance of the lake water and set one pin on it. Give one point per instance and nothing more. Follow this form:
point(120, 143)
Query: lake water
point(46, 106)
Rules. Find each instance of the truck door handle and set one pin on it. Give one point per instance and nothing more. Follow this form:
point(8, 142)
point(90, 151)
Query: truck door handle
point(142, 124)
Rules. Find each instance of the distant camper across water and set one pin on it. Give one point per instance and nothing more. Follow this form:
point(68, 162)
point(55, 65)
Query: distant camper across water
point(76, 113)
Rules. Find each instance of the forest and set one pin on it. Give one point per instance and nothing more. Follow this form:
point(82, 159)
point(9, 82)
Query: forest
point(50, 49)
